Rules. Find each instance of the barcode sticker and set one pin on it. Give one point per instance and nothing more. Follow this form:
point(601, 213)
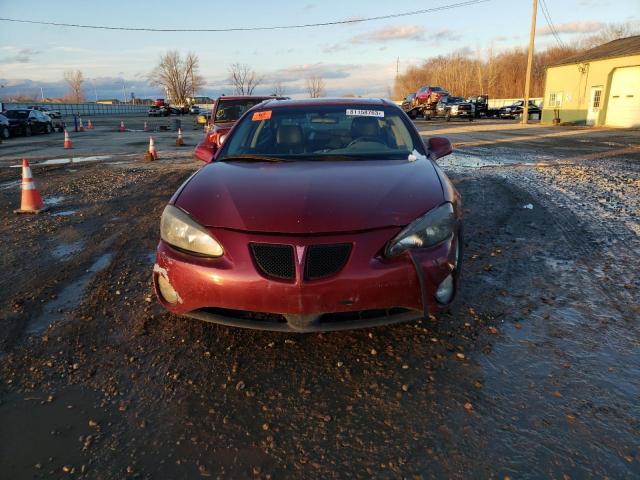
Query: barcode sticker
point(365, 113)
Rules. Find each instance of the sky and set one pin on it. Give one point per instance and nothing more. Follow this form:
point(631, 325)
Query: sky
point(356, 58)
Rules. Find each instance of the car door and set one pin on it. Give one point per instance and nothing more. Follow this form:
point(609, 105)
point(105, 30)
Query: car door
point(32, 121)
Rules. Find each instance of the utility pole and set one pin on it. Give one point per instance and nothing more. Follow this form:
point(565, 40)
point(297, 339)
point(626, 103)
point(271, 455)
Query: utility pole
point(527, 83)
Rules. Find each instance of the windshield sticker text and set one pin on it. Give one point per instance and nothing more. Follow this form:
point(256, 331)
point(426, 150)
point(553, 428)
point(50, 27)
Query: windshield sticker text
point(365, 113)
point(257, 116)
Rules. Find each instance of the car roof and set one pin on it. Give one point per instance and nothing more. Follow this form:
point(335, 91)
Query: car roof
point(308, 102)
point(224, 98)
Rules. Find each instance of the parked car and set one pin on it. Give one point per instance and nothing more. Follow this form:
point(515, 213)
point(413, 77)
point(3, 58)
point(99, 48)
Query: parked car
point(194, 110)
point(408, 104)
point(5, 129)
point(203, 117)
point(154, 111)
point(427, 98)
point(26, 122)
point(480, 105)
point(227, 110)
point(515, 110)
point(310, 210)
point(51, 113)
point(454, 107)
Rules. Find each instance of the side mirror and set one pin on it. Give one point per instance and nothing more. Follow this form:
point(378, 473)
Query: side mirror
point(439, 147)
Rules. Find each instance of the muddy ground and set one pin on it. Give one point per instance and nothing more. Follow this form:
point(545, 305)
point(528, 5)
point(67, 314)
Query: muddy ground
point(533, 374)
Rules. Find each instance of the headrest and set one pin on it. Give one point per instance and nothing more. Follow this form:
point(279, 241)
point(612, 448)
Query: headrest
point(289, 135)
point(365, 127)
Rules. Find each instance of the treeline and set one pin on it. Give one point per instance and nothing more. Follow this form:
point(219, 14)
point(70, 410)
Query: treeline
point(500, 75)
point(497, 75)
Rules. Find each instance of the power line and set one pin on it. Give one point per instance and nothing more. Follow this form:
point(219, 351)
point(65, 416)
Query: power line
point(246, 29)
point(552, 28)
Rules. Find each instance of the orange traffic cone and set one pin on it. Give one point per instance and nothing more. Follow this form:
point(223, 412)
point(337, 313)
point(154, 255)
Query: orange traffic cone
point(146, 128)
point(81, 127)
point(179, 141)
point(151, 154)
point(122, 129)
point(31, 200)
point(89, 125)
point(67, 140)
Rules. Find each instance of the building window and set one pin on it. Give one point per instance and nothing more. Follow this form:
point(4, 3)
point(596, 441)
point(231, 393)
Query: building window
point(597, 96)
point(555, 99)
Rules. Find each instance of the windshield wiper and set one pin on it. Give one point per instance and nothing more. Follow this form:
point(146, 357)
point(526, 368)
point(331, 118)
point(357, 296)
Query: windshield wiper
point(252, 158)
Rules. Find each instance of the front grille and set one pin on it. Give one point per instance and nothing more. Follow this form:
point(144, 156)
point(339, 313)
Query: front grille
point(362, 315)
point(274, 260)
point(325, 260)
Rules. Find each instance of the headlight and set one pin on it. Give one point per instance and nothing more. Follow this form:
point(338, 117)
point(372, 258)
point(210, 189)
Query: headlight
point(181, 231)
point(430, 229)
point(454, 108)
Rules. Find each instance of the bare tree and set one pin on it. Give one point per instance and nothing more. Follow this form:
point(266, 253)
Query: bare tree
point(315, 87)
point(179, 76)
point(278, 89)
point(610, 32)
point(74, 81)
point(244, 78)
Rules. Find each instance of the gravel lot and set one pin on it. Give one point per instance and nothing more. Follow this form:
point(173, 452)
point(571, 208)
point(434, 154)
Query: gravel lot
point(533, 374)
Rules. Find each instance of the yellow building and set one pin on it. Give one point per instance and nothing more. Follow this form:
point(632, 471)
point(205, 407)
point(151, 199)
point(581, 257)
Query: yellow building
point(598, 87)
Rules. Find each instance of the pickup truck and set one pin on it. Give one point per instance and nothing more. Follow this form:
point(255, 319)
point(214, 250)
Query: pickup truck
point(454, 107)
point(425, 101)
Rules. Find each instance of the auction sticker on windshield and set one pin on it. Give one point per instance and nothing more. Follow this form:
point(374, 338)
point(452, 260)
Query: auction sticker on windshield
point(257, 116)
point(365, 113)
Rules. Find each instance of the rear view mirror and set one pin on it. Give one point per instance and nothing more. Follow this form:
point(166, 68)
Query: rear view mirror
point(439, 147)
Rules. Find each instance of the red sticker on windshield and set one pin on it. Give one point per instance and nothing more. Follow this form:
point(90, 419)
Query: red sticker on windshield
point(264, 115)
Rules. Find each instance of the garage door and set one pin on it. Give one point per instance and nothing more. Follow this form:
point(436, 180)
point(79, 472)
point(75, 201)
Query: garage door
point(623, 109)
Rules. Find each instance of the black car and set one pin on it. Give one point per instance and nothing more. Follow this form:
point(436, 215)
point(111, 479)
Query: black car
point(455, 107)
point(480, 104)
point(515, 110)
point(408, 104)
point(26, 122)
point(45, 110)
point(4, 128)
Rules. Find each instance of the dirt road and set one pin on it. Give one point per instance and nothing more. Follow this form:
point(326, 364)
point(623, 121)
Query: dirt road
point(533, 374)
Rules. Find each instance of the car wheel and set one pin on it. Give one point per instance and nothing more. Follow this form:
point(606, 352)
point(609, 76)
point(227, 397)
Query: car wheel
point(412, 115)
point(5, 133)
point(447, 117)
point(48, 129)
point(471, 119)
point(27, 131)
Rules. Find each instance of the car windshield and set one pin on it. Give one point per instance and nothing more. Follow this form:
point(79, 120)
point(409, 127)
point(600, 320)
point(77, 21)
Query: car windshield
point(323, 132)
point(232, 110)
point(16, 113)
point(455, 100)
point(437, 89)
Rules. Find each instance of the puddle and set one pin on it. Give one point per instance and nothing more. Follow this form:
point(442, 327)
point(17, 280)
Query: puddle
point(69, 297)
point(54, 200)
point(64, 213)
point(10, 185)
point(66, 249)
point(63, 161)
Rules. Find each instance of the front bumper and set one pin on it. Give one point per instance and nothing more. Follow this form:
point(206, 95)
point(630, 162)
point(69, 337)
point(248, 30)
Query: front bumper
point(370, 289)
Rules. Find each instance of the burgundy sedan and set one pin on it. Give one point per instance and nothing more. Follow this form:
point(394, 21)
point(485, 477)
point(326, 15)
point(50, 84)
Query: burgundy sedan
point(314, 215)
point(226, 112)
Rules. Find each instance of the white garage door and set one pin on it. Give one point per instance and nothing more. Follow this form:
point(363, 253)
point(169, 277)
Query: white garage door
point(623, 109)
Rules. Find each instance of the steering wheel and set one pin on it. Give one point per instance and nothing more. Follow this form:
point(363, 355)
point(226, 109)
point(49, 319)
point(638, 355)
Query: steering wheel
point(366, 139)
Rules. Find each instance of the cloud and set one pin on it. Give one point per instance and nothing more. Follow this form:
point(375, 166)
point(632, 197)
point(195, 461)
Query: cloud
point(388, 34)
point(572, 27)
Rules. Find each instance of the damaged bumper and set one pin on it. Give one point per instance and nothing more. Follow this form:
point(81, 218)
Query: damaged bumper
point(367, 290)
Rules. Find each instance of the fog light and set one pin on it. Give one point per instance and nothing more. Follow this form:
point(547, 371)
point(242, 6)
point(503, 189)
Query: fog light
point(167, 291)
point(445, 290)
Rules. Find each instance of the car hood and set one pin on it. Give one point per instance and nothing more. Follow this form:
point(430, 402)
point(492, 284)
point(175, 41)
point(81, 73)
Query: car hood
point(308, 197)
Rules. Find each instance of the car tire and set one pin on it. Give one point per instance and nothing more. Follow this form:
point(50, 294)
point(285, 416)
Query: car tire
point(27, 131)
point(412, 115)
point(4, 134)
point(447, 117)
point(48, 129)
point(471, 119)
